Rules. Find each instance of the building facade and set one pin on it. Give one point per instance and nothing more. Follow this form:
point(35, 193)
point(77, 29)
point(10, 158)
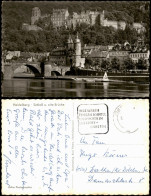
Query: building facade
point(61, 17)
point(58, 56)
point(121, 55)
point(87, 17)
point(135, 56)
point(140, 51)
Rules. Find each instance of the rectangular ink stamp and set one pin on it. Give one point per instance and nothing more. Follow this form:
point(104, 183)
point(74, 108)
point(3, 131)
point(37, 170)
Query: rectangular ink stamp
point(93, 119)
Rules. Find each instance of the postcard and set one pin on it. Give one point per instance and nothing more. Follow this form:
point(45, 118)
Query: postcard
point(72, 49)
point(98, 146)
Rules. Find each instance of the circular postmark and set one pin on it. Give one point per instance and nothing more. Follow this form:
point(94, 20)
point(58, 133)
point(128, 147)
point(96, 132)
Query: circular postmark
point(125, 118)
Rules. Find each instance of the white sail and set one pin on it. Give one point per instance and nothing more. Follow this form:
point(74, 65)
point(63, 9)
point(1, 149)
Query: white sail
point(105, 77)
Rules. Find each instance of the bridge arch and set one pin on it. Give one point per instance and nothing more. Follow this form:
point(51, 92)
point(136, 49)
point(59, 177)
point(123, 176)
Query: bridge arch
point(55, 73)
point(34, 70)
point(53, 70)
point(68, 73)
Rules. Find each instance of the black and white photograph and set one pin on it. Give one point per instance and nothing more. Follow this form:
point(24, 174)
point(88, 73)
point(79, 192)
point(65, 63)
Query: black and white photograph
point(75, 78)
point(73, 49)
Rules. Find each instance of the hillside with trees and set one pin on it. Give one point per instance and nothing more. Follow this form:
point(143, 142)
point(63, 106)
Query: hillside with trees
point(14, 14)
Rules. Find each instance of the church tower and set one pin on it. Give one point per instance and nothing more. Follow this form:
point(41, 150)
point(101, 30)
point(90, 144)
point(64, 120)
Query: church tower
point(36, 14)
point(77, 47)
point(69, 51)
point(70, 44)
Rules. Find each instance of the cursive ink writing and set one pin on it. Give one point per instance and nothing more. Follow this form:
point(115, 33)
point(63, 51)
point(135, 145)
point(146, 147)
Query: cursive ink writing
point(113, 154)
point(87, 155)
point(8, 116)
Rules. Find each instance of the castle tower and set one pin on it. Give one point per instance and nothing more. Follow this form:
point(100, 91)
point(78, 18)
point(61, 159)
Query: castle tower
point(36, 14)
point(77, 46)
point(102, 18)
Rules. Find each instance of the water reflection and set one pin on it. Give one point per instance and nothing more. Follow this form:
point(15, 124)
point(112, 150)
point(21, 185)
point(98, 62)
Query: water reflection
point(79, 89)
point(105, 86)
point(35, 87)
point(68, 88)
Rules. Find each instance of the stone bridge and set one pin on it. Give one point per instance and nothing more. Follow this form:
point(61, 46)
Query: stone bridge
point(53, 70)
point(48, 70)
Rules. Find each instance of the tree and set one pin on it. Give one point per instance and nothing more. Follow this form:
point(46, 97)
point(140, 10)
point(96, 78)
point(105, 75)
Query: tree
point(105, 64)
point(115, 64)
point(100, 40)
point(88, 63)
point(40, 47)
point(129, 64)
point(97, 63)
point(141, 64)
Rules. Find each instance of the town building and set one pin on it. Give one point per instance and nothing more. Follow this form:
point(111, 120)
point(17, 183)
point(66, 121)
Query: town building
point(118, 51)
point(88, 49)
point(121, 52)
point(98, 56)
point(140, 51)
point(136, 55)
point(58, 56)
point(8, 55)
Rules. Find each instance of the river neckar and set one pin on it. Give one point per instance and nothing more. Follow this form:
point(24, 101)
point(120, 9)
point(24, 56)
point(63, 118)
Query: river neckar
point(117, 86)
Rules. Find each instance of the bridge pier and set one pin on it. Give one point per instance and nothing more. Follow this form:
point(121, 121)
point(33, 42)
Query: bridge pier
point(7, 71)
point(48, 70)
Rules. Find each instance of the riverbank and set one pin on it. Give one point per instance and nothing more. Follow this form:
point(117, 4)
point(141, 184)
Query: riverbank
point(143, 78)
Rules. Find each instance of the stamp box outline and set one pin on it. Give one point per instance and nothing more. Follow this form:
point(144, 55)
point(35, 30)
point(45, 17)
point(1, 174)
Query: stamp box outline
point(107, 112)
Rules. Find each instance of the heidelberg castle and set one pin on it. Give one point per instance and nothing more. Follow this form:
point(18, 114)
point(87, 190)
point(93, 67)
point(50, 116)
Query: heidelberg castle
point(61, 17)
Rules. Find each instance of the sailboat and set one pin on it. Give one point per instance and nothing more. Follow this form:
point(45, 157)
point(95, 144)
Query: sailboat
point(105, 78)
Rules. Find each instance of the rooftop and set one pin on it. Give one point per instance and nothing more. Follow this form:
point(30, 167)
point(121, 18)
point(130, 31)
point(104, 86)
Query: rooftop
point(100, 47)
point(98, 54)
point(59, 48)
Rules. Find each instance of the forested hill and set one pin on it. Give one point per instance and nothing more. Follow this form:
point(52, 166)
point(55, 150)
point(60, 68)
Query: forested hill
point(16, 13)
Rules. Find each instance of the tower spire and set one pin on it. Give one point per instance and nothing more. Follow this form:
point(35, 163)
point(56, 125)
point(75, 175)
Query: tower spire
point(70, 39)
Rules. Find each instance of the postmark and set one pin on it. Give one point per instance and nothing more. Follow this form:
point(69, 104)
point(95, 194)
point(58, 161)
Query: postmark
point(125, 117)
point(93, 119)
